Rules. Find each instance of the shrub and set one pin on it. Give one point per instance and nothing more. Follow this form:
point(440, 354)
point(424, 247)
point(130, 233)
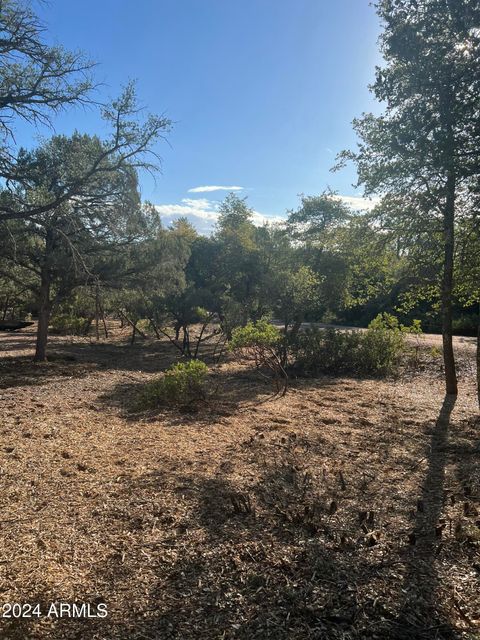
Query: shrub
point(182, 384)
point(375, 351)
point(326, 351)
point(259, 335)
point(465, 325)
point(381, 345)
point(260, 342)
point(69, 325)
point(145, 326)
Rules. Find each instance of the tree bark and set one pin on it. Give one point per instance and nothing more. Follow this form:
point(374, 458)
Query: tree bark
point(478, 358)
point(153, 324)
point(105, 328)
point(97, 311)
point(5, 309)
point(45, 304)
point(447, 287)
point(43, 320)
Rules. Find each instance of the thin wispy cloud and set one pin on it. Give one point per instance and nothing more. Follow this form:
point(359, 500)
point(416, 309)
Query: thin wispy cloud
point(213, 187)
point(358, 202)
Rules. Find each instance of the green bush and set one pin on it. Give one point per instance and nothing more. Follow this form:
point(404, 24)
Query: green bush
point(375, 351)
point(69, 325)
point(145, 326)
point(182, 384)
point(382, 345)
point(261, 334)
point(261, 343)
point(331, 351)
point(465, 325)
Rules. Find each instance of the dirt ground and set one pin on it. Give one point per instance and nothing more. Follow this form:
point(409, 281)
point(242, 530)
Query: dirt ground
point(347, 509)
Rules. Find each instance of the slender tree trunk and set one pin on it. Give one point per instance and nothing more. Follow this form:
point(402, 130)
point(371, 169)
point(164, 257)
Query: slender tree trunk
point(199, 340)
point(97, 310)
point(478, 357)
point(45, 304)
point(153, 324)
point(447, 287)
point(295, 329)
point(186, 342)
point(43, 320)
point(5, 309)
point(102, 313)
point(177, 327)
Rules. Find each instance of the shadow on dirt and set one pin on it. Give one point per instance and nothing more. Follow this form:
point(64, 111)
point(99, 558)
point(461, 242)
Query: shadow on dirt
point(230, 390)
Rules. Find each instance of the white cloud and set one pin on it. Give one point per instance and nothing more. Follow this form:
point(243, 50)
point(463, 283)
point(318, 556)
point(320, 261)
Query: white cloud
point(202, 208)
point(213, 187)
point(259, 219)
point(357, 202)
point(203, 214)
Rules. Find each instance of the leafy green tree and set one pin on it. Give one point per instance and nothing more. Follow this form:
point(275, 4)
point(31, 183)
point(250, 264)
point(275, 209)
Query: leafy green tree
point(15, 292)
point(68, 246)
point(372, 268)
point(468, 275)
point(183, 309)
point(154, 269)
point(239, 267)
point(74, 172)
point(317, 219)
point(423, 151)
point(37, 80)
point(355, 264)
point(295, 294)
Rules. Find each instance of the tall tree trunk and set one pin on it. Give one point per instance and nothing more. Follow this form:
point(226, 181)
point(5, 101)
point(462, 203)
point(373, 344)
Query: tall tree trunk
point(478, 357)
point(447, 286)
point(97, 311)
point(153, 324)
point(45, 304)
point(43, 319)
point(5, 309)
point(177, 327)
point(104, 321)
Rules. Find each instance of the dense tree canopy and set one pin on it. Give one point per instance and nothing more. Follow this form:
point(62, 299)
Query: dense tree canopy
point(76, 236)
point(423, 151)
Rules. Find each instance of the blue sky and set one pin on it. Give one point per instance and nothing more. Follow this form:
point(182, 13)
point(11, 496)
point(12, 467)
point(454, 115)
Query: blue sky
point(262, 92)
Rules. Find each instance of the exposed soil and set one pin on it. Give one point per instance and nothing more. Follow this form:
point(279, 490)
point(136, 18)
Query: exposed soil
point(347, 509)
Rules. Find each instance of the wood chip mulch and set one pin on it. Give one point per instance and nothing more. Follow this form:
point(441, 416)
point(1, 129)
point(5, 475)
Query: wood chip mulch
point(347, 509)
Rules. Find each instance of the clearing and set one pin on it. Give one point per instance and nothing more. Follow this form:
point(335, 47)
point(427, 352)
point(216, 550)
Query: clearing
point(347, 509)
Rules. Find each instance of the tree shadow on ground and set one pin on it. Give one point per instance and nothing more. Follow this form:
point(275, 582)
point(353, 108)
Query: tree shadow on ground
point(146, 355)
point(419, 616)
point(264, 544)
point(22, 372)
point(263, 576)
point(284, 555)
point(78, 359)
point(230, 390)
